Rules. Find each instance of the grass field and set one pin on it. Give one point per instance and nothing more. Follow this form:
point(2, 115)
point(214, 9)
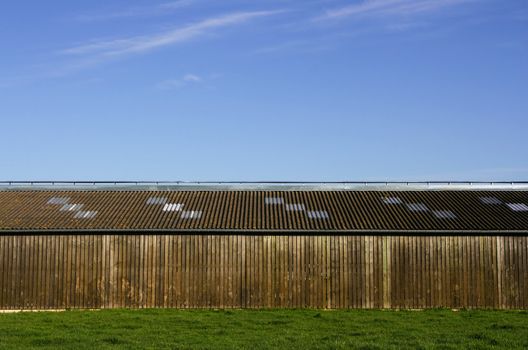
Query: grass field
point(262, 329)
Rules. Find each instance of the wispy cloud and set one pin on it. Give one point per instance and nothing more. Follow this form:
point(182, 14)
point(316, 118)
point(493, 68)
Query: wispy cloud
point(400, 27)
point(105, 49)
point(192, 78)
point(313, 45)
point(96, 52)
point(388, 7)
point(186, 80)
point(154, 10)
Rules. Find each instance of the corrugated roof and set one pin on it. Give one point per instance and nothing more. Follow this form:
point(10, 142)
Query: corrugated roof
point(325, 210)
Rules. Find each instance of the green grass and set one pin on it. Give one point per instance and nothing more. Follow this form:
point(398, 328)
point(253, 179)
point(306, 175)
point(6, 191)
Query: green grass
point(263, 329)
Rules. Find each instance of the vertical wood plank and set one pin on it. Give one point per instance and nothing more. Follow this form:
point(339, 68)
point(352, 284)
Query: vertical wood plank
point(256, 271)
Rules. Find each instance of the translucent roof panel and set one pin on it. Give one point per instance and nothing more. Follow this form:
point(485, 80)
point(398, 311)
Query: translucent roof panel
point(295, 207)
point(191, 214)
point(517, 206)
point(157, 200)
point(85, 214)
point(58, 200)
point(274, 200)
point(318, 214)
point(490, 200)
point(173, 207)
point(392, 200)
point(71, 207)
point(444, 214)
point(417, 207)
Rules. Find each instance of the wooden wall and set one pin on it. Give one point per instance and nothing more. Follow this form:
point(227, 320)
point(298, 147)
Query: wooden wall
point(262, 271)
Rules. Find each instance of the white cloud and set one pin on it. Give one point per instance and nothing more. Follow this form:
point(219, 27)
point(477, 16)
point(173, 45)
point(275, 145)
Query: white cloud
point(96, 52)
point(388, 7)
point(176, 4)
point(399, 27)
point(186, 80)
point(159, 9)
point(112, 48)
point(296, 46)
point(192, 78)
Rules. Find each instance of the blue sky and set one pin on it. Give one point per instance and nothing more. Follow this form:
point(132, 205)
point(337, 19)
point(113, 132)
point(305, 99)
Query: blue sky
point(314, 90)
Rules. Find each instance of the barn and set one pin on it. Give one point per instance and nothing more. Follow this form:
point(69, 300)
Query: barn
point(263, 245)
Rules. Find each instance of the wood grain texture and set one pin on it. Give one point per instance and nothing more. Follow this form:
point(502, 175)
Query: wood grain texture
point(262, 271)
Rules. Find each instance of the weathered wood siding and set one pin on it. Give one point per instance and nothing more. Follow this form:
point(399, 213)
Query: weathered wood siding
point(257, 271)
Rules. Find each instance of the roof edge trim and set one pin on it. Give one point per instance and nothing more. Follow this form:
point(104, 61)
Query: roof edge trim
point(261, 231)
point(259, 186)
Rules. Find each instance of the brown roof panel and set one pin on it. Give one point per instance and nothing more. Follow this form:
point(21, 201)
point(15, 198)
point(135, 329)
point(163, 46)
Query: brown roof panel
point(322, 210)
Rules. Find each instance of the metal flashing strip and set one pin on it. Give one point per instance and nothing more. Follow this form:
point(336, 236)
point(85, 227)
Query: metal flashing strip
point(260, 186)
point(263, 231)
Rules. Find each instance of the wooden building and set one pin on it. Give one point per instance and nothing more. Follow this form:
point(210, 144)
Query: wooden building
point(346, 245)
